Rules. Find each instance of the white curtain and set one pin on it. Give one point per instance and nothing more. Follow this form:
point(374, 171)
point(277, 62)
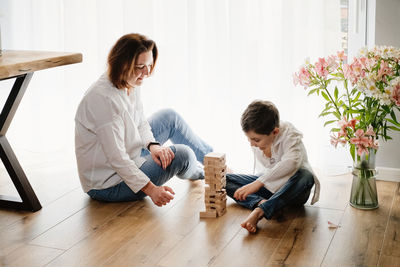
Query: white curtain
point(216, 56)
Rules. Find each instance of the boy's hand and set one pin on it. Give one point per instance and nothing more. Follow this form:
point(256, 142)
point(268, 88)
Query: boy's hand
point(162, 155)
point(160, 195)
point(246, 190)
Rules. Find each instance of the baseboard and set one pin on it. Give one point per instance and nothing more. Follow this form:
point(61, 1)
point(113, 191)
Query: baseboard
point(388, 174)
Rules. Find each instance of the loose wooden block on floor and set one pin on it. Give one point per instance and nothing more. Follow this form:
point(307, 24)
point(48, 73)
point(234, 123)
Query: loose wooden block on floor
point(208, 214)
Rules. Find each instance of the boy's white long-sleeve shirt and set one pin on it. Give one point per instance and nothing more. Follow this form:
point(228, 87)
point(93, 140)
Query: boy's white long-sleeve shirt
point(288, 154)
point(110, 132)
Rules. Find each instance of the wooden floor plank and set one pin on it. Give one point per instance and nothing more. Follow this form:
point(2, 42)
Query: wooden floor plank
point(208, 238)
point(257, 248)
point(72, 230)
point(80, 225)
point(307, 239)
point(360, 238)
point(34, 224)
point(335, 192)
point(391, 245)
point(142, 217)
point(32, 256)
point(8, 217)
point(100, 245)
point(177, 223)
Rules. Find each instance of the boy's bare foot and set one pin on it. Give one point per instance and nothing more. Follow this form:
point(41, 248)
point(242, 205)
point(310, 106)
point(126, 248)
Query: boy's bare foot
point(250, 224)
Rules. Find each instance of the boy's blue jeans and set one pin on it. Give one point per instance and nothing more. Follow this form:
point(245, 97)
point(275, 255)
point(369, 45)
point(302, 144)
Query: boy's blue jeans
point(294, 192)
point(166, 125)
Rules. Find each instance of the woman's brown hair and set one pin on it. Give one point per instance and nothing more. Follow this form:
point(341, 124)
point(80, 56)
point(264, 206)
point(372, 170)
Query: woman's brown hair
point(123, 55)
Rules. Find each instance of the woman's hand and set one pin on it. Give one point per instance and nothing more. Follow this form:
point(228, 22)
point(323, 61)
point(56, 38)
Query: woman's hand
point(246, 190)
point(160, 195)
point(162, 155)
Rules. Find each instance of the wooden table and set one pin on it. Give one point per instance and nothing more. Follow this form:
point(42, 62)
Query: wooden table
point(21, 65)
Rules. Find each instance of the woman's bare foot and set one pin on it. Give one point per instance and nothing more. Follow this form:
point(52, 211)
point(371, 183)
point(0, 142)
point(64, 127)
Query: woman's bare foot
point(250, 224)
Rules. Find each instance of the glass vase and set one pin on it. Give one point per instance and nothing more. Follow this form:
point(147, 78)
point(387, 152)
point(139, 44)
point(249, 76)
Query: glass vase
point(363, 189)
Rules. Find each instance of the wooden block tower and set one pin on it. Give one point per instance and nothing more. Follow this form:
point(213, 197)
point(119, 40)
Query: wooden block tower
point(215, 179)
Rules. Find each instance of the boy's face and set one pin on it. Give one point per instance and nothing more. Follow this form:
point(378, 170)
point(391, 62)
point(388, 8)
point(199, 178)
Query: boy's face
point(262, 141)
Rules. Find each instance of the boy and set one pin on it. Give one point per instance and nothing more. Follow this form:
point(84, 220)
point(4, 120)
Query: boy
point(285, 176)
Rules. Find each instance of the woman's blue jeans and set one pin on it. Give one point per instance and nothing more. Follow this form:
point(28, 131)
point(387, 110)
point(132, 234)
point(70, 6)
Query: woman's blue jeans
point(294, 192)
point(188, 148)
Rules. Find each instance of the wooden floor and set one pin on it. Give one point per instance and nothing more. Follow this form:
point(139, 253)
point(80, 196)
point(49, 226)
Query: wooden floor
point(72, 230)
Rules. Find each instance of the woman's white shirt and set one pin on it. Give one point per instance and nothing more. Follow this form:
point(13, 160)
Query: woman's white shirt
point(110, 133)
point(288, 154)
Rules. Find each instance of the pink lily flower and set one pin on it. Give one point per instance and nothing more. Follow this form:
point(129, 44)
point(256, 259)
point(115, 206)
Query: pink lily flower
point(341, 56)
point(321, 67)
point(396, 94)
point(362, 149)
point(360, 139)
point(370, 131)
point(336, 140)
point(373, 143)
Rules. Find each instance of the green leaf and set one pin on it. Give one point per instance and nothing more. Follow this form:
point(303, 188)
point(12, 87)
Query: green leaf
point(386, 108)
point(311, 92)
point(394, 128)
point(329, 122)
point(353, 151)
point(393, 122)
point(337, 115)
point(393, 115)
point(336, 92)
point(325, 96)
point(357, 97)
point(354, 111)
point(323, 114)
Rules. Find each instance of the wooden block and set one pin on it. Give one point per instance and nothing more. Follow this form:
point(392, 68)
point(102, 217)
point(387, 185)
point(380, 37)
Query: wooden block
point(219, 196)
point(221, 212)
point(215, 181)
point(217, 187)
point(208, 214)
point(214, 157)
point(214, 198)
point(214, 163)
point(220, 203)
point(210, 191)
point(213, 175)
point(217, 206)
point(215, 168)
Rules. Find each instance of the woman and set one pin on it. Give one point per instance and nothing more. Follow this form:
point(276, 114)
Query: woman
point(119, 153)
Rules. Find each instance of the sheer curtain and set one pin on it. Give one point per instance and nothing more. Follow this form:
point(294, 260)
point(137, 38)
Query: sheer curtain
point(216, 56)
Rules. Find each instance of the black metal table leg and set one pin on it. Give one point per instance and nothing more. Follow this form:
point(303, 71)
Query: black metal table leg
point(28, 200)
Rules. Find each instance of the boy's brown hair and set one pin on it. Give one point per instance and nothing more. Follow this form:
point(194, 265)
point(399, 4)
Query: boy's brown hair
point(261, 117)
point(123, 55)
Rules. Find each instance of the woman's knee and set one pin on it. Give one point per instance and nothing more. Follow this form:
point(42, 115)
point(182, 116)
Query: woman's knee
point(169, 114)
point(186, 162)
point(184, 154)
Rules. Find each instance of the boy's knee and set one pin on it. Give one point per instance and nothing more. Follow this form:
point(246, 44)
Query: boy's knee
point(307, 178)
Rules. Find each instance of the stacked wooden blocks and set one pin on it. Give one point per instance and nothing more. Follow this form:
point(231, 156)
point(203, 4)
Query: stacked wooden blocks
point(215, 179)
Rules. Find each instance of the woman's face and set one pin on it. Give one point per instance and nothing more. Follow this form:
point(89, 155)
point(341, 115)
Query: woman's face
point(142, 68)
